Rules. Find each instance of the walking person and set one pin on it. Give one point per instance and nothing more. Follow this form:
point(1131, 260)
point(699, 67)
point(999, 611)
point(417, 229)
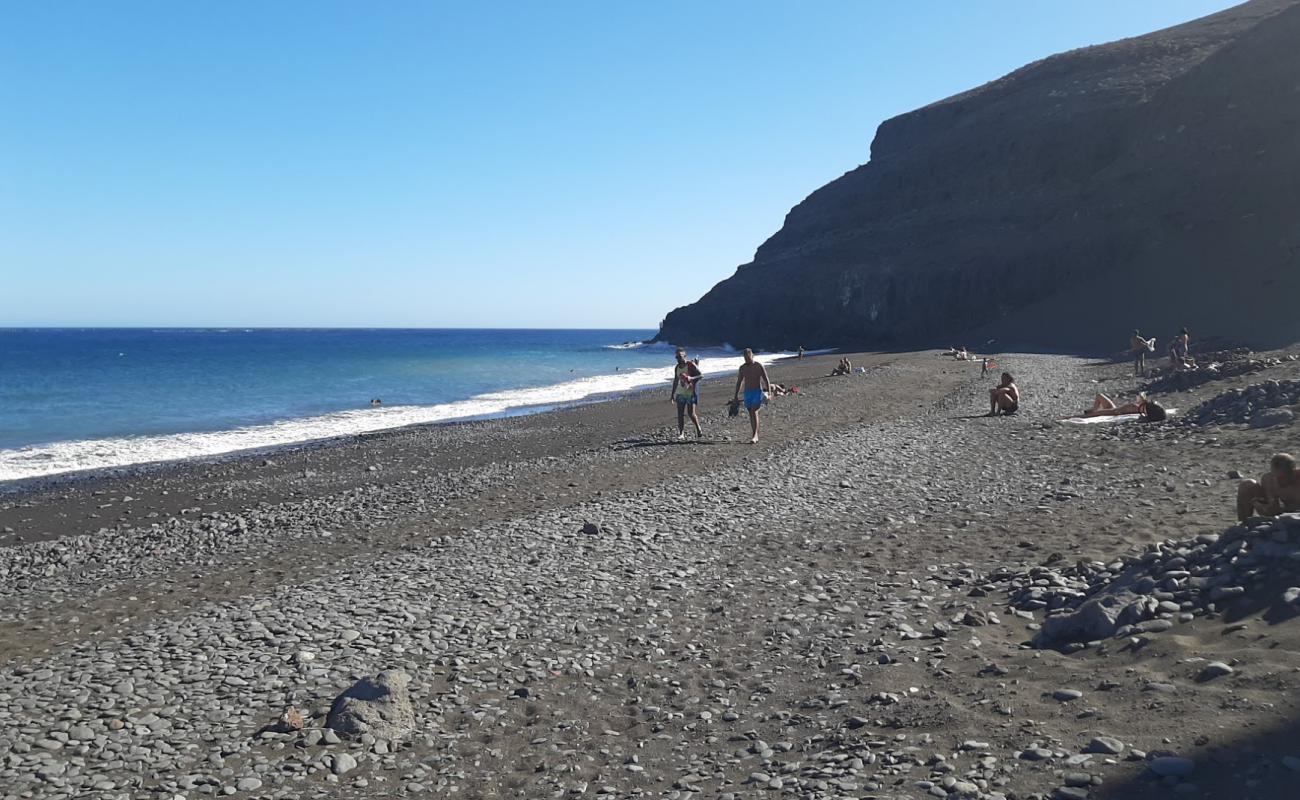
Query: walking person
point(686, 393)
point(754, 378)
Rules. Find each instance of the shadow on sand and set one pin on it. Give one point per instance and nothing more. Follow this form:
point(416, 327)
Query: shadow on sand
point(632, 444)
point(1247, 768)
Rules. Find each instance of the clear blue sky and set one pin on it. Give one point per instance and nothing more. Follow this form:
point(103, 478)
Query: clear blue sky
point(553, 164)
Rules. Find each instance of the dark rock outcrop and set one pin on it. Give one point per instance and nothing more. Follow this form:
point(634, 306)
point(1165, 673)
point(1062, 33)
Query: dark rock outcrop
point(1152, 182)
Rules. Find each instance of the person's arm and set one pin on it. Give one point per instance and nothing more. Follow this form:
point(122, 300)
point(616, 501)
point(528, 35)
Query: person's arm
point(672, 393)
point(766, 382)
point(740, 378)
point(1015, 394)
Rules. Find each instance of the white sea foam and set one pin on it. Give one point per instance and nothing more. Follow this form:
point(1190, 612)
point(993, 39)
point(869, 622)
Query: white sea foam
point(91, 454)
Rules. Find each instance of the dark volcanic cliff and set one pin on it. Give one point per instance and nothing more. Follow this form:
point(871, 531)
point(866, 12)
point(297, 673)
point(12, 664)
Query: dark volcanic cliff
point(1152, 182)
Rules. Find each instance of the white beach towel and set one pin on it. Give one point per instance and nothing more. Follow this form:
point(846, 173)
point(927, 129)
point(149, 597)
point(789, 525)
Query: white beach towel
point(1169, 412)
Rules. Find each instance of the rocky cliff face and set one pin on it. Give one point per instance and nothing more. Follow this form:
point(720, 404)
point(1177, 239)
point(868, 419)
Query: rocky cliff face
point(1152, 182)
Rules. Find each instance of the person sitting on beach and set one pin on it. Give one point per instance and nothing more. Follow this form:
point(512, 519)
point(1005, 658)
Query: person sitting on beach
point(1005, 399)
point(686, 393)
point(754, 378)
point(843, 368)
point(1276, 492)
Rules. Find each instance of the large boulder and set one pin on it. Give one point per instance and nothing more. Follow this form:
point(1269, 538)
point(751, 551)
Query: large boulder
point(1096, 619)
point(379, 706)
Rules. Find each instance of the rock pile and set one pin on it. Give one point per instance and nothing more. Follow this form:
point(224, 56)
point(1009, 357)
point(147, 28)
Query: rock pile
point(1211, 367)
point(1259, 405)
point(1173, 581)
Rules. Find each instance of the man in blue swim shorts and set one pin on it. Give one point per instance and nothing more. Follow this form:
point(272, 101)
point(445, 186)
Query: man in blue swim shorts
point(754, 378)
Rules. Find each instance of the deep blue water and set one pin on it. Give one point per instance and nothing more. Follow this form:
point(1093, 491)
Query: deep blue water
point(119, 394)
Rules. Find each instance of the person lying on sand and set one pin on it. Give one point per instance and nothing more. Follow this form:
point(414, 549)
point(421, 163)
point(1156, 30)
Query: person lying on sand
point(1005, 399)
point(1276, 492)
point(1146, 409)
point(1103, 406)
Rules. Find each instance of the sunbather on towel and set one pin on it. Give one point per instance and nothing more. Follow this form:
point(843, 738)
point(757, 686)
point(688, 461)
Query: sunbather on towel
point(1148, 410)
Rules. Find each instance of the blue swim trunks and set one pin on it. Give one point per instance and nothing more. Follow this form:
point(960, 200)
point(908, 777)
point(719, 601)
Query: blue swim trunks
point(687, 399)
point(753, 399)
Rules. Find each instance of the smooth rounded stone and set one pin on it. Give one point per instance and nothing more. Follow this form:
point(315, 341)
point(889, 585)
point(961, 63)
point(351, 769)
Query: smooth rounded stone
point(1066, 695)
point(1077, 779)
point(1215, 669)
point(343, 763)
point(1172, 766)
point(1154, 626)
point(1105, 745)
point(248, 784)
point(1071, 793)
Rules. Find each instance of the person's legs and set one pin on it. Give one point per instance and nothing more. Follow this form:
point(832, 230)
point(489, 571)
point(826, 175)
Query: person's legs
point(1248, 491)
point(681, 419)
point(993, 401)
point(753, 424)
point(695, 418)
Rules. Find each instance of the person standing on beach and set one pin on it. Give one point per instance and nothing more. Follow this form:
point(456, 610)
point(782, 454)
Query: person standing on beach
point(686, 393)
point(1139, 347)
point(754, 378)
point(1179, 355)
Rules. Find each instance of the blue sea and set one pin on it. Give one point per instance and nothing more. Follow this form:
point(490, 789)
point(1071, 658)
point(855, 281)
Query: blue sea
point(78, 399)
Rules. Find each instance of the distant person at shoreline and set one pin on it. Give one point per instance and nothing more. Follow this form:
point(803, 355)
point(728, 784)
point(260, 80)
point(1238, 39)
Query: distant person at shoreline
point(376, 402)
point(1276, 492)
point(686, 393)
point(1179, 351)
point(754, 378)
point(984, 367)
point(1139, 347)
point(801, 352)
point(1005, 398)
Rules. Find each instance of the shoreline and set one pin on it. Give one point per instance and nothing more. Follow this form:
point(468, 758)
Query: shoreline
point(25, 483)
